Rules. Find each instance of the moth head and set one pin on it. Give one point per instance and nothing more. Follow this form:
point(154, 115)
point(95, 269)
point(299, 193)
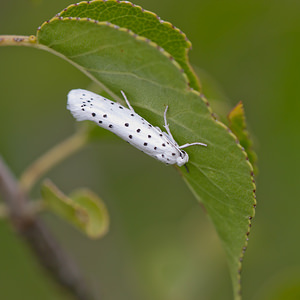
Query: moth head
point(182, 159)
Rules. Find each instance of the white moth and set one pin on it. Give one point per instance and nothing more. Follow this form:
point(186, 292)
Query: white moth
point(127, 124)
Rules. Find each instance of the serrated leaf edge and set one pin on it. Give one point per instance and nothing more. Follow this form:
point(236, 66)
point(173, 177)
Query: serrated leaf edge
point(141, 9)
point(201, 96)
point(144, 11)
point(130, 32)
point(250, 218)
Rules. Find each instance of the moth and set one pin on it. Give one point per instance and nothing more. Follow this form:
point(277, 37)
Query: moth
point(128, 125)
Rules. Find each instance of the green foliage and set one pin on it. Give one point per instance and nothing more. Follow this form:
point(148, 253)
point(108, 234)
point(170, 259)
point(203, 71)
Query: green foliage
point(82, 208)
point(143, 23)
point(123, 58)
point(237, 123)
point(120, 46)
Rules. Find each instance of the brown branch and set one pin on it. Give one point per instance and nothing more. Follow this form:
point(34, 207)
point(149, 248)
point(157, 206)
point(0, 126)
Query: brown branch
point(46, 249)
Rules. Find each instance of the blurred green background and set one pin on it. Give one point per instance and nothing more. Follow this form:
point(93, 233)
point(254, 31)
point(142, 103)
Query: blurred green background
point(161, 245)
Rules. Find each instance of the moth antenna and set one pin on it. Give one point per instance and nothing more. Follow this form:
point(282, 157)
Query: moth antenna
point(187, 169)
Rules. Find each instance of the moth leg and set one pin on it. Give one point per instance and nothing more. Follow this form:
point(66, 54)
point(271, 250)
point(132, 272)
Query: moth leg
point(171, 136)
point(167, 125)
point(127, 102)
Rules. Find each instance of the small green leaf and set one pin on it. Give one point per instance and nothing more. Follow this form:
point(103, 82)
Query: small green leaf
point(83, 209)
point(237, 123)
point(97, 213)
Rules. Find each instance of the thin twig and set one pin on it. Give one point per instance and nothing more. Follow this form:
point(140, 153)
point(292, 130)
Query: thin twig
point(18, 40)
point(46, 249)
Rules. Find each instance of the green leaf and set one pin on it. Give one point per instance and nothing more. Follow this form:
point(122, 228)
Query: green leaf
point(83, 209)
point(237, 123)
point(141, 22)
point(220, 176)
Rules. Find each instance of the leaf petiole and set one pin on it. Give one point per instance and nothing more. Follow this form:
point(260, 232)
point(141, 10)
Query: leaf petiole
point(51, 158)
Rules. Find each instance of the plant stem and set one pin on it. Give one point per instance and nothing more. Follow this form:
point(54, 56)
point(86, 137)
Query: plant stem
point(51, 158)
point(46, 249)
point(17, 40)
